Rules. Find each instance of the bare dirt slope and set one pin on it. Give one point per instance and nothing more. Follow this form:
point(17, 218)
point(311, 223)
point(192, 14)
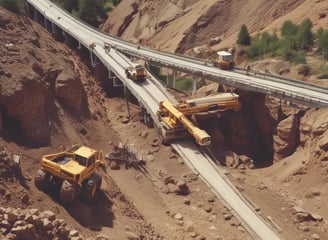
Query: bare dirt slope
point(182, 25)
point(163, 200)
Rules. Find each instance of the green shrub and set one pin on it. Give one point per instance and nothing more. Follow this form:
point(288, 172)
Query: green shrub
point(14, 6)
point(262, 44)
point(297, 59)
point(183, 84)
point(322, 36)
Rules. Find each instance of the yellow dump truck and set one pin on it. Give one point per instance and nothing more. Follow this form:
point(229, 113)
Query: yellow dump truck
point(72, 172)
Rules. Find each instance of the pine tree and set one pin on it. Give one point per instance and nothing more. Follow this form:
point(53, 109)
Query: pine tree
point(92, 11)
point(243, 36)
point(69, 5)
point(288, 29)
point(12, 5)
point(304, 36)
point(322, 36)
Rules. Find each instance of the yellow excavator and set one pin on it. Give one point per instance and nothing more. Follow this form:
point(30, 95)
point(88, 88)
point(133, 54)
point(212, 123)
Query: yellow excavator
point(175, 119)
point(71, 172)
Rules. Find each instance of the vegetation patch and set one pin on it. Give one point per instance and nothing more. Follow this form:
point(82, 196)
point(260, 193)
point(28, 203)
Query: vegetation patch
point(292, 45)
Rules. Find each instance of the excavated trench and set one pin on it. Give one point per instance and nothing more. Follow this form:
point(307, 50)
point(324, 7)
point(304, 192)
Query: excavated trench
point(251, 131)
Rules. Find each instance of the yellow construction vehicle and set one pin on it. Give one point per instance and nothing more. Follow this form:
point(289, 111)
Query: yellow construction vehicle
point(224, 61)
point(175, 123)
point(175, 119)
point(71, 172)
point(210, 104)
point(136, 72)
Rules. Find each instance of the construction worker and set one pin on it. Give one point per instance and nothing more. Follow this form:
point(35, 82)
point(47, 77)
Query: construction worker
point(107, 47)
point(248, 69)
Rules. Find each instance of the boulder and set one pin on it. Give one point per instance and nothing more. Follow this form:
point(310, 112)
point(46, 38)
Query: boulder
point(287, 138)
point(69, 88)
point(214, 41)
point(28, 107)
point(232, 159)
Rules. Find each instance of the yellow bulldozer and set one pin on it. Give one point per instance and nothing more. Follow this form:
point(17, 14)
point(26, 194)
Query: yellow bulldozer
point(72, 172)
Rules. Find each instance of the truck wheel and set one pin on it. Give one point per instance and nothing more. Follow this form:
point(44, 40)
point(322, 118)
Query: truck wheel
point(67, 192)
point(162, 136)
point(98, 179)
point(41, 180)
point(89, 189)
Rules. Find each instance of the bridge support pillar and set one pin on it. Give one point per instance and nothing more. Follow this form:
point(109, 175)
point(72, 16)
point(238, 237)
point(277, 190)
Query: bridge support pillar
point(93, 58)
point(194, 86)
point(45, 21)
point(66, 41)
point(147, 118)
point(56, 31)
point(116, 82)
point(53, 28)
point(35, 15)
point(47, 24)
point(174, 73)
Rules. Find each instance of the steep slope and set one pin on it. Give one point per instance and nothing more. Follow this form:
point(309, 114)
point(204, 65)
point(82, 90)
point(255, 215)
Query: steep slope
point(294, 136)
point(181, 25)
point(149, 204)
point(148, 201)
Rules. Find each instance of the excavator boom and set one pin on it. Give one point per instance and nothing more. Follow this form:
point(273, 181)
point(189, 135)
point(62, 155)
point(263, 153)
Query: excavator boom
point(175, 121)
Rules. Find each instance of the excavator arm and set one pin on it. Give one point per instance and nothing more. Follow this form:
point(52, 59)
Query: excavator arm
point(174, 119)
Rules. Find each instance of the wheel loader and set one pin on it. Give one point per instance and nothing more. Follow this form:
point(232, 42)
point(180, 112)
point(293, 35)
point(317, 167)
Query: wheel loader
point(136, 72)
point(224, 60)
point(72, 172)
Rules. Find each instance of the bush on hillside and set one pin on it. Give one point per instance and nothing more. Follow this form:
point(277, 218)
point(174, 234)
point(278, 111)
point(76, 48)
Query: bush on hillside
point(92, 11)
point(14, 6)
point(69, 5)
point(293, 38)
point(304, 36)
point(262, 44)
point(322, 36)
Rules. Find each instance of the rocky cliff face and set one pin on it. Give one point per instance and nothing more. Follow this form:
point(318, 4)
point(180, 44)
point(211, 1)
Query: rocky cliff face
point(33, 73)
point(266, 130)
point(313, 134)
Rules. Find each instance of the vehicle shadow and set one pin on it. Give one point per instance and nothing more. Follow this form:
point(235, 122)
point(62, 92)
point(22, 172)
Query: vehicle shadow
point(94, 215)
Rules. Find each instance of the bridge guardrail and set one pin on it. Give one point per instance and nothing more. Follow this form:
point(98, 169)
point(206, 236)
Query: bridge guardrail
point(191, 59)
point(324, 89)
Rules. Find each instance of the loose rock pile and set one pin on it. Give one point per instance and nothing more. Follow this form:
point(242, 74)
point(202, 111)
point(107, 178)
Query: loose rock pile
point(33, 224)
point(13, 183)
